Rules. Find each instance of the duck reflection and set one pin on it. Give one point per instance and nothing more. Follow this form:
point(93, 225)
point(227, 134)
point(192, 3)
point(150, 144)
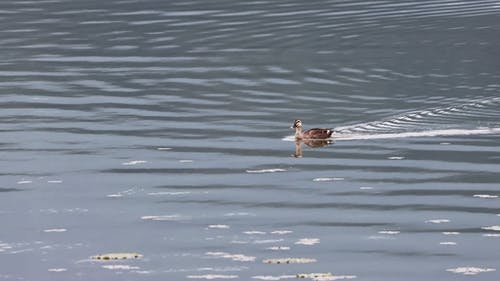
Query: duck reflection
point(310, 143)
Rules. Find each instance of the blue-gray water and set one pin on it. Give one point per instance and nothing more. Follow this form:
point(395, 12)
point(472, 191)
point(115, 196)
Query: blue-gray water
point(162, 128)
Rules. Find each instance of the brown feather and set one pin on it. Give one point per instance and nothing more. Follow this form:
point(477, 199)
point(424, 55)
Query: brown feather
point(318, 133)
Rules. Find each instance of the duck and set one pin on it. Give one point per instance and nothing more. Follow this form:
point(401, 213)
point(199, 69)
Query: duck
point(311, 134)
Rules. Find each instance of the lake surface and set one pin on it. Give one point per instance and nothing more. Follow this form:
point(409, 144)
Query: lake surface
point(163, 128)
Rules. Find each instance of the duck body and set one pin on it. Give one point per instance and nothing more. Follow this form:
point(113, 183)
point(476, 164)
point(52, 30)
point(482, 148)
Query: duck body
point(311, 134)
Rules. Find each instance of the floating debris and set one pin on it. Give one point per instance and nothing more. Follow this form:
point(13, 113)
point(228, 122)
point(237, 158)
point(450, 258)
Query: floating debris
point(470, 270)
point(265, 171)
point(487, 196)
point(117, 256)
point(234, 257)
point(328, 179)
point(314, 275)
point(134, 162)
point(437, 221)
point(308, 241)
point(212, 276)
point(289, 260)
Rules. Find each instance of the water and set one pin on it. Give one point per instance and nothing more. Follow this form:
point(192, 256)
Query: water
point(162, 128)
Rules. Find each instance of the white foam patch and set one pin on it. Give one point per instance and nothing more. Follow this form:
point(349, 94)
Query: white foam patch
point(429, 133)
point(450, 233)
point(448, 243)
point(241, 242)
point(380, 237)
point(395, 158)
point(493, 227)
point(491, 235)
point(116, 195)
point(234, 257)
point(366, 188)
point(164, 148)
point(120, 267)
point(164, 218)
point(335, 277)
point(470, 270)
point(4, 247)
point(254, 232)
point(219, 226)
point(437, 221)
point(389, 232)
point(308, 241)
point(281, 232)
point(223, 269)
point(328, 179)
point(487, 196)
point(238, 214)
point(273, 278)
point(24, 182)
point(134, 162)
point(279, 248)
point(55, 181)
point(265, 171)
point(121, 193)
point(57, 269)
point(268, 241)
point(186, 161)
point(212, 276)
point(55, 230)
point(171, 193)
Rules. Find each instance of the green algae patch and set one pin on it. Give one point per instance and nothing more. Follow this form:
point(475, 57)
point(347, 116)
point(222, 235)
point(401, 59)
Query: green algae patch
point(289, 260)
point(117, 256)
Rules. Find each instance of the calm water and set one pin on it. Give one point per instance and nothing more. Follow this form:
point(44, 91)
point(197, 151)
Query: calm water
point(162, 128)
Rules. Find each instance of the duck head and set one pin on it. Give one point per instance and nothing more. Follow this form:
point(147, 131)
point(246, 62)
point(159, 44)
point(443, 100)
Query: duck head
point(296, 124)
